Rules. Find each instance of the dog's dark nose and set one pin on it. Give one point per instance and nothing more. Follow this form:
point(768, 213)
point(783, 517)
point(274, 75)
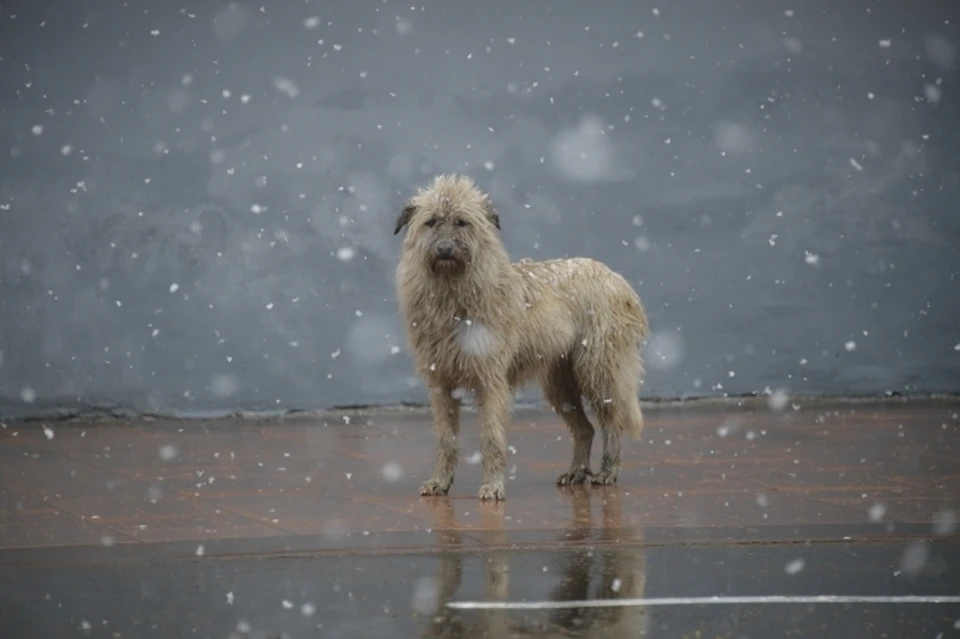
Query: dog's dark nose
point(445, 248)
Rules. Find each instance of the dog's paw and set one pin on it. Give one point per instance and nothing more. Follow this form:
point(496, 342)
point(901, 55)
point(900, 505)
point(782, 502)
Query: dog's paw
point(492, 492)
point(577, 476)
point(433, 487)
point(604, 478)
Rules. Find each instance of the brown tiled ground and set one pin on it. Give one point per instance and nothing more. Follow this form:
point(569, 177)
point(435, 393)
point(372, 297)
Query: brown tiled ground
point(352, 480)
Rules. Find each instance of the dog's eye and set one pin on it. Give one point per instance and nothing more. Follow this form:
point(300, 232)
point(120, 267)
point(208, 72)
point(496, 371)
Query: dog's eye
point(431, 222)
point(463, 223)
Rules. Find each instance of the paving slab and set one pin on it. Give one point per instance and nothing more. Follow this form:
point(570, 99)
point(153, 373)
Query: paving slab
point(312, 526)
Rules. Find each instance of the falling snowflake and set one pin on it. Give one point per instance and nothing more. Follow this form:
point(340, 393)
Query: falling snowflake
point(914, 558)
point(28, 395)
point(778, 400)
point(224, 385)
point(794, 566)
point(404, 26)
point(425, 596)
point(391, 471)
point(945, 522)
point(287, 87)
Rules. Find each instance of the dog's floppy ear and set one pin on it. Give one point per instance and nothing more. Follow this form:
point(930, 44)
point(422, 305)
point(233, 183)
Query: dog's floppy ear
point(491, 213)
point(404, 219)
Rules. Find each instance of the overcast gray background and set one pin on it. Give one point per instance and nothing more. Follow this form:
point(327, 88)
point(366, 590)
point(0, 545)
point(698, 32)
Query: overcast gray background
point(197, 205)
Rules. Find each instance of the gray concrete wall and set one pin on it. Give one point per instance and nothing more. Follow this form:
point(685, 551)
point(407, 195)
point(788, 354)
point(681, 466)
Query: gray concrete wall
point(197, 205)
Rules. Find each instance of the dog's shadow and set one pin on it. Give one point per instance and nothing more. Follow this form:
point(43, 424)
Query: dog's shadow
point(604, 561)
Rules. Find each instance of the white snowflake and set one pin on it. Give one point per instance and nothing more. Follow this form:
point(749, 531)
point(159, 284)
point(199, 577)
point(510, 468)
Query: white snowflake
point(287, 87)
point(794, 566)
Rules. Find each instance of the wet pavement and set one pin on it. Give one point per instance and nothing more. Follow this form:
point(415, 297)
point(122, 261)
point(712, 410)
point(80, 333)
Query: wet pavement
point(312, 526)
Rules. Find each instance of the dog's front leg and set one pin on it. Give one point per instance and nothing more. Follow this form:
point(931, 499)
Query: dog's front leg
point(494, 400)
point(446, 424)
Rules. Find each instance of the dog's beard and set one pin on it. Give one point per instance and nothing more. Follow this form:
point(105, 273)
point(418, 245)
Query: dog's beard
point(447, 266)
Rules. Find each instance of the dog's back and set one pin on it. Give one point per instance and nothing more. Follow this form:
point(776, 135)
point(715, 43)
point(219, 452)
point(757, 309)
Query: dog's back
point(598, 300)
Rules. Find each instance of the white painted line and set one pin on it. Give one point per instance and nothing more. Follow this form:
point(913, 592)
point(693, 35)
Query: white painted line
point(700, 601)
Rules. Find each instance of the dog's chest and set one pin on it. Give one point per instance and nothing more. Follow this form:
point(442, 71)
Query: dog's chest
point(473, 337)
point(458, 347)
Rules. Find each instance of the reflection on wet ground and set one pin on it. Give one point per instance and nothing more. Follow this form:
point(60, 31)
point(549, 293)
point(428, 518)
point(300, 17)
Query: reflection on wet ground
point(312, 527)
point(602, 560)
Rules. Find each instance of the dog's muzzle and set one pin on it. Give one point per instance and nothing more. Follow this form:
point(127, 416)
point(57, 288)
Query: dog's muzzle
point(446, 257)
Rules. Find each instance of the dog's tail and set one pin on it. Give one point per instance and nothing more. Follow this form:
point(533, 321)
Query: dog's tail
point(612, 382)
point(634, 417)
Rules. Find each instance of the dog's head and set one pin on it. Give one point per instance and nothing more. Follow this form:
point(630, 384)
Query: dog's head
point(448, 223)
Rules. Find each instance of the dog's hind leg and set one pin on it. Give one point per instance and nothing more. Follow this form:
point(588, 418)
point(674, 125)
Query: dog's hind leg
point(613, 395)
point(560, 390)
